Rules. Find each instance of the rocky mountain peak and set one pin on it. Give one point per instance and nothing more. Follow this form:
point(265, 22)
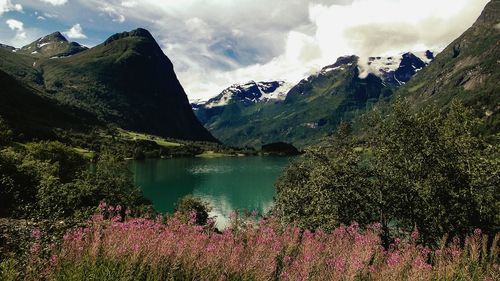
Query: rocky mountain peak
point(250, 93)
point(52, 45)
point(139, 32)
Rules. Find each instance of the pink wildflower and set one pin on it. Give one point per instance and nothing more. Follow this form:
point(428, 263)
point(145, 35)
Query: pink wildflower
point(36, 233)
point(102, 205)
point(415, 235)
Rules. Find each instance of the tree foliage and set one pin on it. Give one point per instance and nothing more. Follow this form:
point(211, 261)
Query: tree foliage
point(427, 169)
point(49, 180)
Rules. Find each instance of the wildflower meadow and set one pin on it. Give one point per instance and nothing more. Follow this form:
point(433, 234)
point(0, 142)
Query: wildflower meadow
point(112, 247)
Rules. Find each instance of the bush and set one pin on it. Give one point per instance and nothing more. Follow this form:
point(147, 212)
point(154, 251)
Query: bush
point(426, 169)
point(69, 164)
point(189, 206)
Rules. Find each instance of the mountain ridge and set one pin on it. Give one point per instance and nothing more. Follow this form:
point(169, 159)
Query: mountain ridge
point(310, 109)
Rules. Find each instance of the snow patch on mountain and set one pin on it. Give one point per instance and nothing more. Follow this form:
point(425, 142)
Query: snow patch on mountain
point(251, 93)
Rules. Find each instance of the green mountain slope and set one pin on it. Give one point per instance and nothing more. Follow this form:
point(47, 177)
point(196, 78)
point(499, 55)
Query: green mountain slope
point(311, 110)
point(468, 70)
point(35, 116)
point(127, 81)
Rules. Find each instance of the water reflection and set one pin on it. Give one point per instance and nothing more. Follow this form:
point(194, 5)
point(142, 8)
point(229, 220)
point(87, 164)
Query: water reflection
point(229, 184)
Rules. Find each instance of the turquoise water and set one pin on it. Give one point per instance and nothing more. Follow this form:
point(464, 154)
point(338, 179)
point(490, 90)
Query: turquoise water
point(228, 184)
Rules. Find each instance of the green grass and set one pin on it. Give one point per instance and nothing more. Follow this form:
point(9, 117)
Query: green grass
point(213, 154)
point(88, 154)
point(140, 136)
point(416, 87)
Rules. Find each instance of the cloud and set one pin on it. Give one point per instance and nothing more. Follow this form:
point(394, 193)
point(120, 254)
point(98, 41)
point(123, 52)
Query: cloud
point(129, 4)
point(113, 12)
point(369, 28)
point(15, 24)
point(18, 27)
point(8, 6)
point(215, 43)
point(55, 2)
point(75, 32)
point(50, 16)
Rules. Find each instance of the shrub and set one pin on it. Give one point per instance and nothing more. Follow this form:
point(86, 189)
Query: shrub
point(190, 207)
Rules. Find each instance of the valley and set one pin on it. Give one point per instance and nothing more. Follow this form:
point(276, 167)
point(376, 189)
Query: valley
point(367, 167)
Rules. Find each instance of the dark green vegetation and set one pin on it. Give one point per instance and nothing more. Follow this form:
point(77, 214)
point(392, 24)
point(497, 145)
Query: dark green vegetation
point(280, 149)
point(193, 208)
point(126, 81)
point(311, 110)
point(32, 115)
point(467, 70)
point(428, 169)
point(49, 180)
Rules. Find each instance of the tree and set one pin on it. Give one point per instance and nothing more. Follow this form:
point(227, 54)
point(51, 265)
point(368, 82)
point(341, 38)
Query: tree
point(427, 169)
point(440, 175)
point(328, 186)
point(114, 181)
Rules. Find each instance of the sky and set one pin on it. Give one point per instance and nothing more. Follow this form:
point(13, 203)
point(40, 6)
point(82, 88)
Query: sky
point(216, 43)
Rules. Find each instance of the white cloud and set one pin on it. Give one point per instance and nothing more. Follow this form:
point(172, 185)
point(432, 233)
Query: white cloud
point(75, 32)
point(113, 13)
point(18, 27)
point(8, 6)
point(55, 2)
point(51, 16)
point(129, 4)
point(15, 24)
point(41, 18)
point(215, 43)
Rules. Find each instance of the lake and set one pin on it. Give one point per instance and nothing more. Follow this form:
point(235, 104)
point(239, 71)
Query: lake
point(228, 183)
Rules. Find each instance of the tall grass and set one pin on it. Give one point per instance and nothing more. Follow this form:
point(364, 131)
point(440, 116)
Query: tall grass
point(112, 248)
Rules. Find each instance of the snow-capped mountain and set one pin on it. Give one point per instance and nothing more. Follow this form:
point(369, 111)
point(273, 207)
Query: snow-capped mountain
point(54, 45)
point(251, 93)
point(264, 112)
point(397, 70)
point(393, 70)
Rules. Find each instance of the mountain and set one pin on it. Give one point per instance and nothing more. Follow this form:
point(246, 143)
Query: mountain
point(248, 115)
point(52, 46)
point(127, 81)
point(467, 70)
